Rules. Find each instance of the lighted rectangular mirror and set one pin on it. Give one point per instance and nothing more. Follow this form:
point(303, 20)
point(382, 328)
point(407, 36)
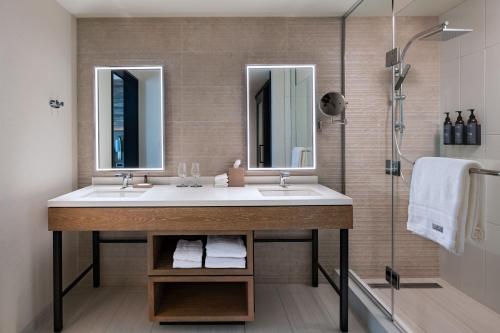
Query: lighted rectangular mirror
point(281, 116)
point(129, 118)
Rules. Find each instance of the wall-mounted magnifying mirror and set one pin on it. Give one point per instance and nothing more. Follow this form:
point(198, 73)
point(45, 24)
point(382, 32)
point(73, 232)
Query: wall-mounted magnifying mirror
point(281, 117)
point(129, 118)
point(333, 105)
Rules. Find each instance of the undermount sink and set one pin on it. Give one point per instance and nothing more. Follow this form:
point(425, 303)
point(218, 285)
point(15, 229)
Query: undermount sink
point(288, 192)
point(125, 193)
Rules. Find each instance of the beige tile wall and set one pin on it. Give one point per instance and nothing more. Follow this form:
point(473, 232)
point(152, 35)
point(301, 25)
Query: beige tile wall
point(368, 143)
point(204, 61)
point(205, 121)
point(470, 79)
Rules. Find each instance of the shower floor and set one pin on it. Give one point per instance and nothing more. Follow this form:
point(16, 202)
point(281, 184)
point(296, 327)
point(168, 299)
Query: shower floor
point(439, 310)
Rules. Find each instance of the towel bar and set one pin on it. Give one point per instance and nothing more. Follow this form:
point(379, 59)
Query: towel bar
point(485, 172)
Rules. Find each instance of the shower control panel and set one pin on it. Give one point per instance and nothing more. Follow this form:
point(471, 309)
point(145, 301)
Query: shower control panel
point(392, 277)
point(392, 58)
point(393, 168)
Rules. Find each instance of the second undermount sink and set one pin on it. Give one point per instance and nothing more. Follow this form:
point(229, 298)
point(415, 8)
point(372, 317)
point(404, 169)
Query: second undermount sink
point(118, 193)
point(288, 192)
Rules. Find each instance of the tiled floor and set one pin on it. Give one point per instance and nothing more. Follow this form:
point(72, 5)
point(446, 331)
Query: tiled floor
point(279, 309)
point(442, 310)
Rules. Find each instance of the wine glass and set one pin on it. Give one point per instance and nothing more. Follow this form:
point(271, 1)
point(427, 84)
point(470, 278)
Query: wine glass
point(195, 172)
point(181, 172)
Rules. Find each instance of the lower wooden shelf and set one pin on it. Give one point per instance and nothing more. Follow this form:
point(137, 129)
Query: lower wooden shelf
point(201, 298)
point(161, 247)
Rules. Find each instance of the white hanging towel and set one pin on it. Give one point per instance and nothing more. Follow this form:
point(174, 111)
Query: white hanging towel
point(225, 247)
point(444, 202)
point(299, 157)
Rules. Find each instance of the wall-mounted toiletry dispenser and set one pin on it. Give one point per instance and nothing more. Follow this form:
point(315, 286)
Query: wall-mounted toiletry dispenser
point(459, 129)
point(448, 135)
point(461, 133)
point(473, 130)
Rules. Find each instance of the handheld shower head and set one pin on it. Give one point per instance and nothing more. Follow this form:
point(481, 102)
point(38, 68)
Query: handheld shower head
point(402, 77)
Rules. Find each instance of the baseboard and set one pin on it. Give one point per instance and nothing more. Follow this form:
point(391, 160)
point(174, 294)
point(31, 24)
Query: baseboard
point(39, 320)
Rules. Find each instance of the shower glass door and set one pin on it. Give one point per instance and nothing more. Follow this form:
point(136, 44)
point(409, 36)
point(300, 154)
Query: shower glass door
point(369, 148)
point(416, 259)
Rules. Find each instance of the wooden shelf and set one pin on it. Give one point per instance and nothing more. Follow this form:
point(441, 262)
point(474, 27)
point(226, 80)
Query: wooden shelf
point(201, 299)
point(161, 247)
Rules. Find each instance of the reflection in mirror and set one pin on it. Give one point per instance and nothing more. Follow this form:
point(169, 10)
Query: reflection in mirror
point(129, 118)
point(281, 117)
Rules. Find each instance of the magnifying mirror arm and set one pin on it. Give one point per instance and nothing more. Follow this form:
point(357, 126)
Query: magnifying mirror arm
point(332, 121)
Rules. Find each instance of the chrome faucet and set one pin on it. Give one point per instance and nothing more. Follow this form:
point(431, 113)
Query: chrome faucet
point(125, 178)
point(284, 175)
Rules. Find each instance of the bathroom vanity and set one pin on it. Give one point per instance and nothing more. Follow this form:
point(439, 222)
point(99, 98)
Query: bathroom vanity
point(168, 213)
point(281, 135)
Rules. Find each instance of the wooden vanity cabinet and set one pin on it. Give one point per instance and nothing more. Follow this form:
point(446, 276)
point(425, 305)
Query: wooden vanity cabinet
point(197, 294)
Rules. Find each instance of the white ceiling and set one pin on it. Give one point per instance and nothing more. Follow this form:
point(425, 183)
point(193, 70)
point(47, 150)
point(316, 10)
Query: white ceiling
point(160, 8)
point(425, 7)
point(406, 7)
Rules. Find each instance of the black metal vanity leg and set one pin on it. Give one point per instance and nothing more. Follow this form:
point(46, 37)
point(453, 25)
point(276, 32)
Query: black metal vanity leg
point(96, 259)
point(344, 279)
point(57, 280)
point(314, 257)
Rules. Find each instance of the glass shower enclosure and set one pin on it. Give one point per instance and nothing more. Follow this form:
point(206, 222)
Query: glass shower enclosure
point(394, 117)
point(369, 35)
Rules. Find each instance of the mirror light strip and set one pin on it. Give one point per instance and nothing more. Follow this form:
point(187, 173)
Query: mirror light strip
point(96, 116)
point(313, 67)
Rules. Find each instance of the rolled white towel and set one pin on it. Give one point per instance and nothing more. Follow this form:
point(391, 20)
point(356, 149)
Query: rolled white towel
point(186, 264)
point(188, 250)
point(221, 181)
point(214, 262)
point(225, 247)
point(221, 177)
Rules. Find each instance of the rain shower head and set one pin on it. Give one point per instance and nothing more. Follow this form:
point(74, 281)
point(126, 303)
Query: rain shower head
point(446, 34)
point(439, 32)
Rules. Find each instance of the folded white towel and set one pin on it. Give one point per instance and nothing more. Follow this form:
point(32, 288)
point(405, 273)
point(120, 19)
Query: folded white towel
point(186, 264)
point(221, 181)
point(225, 247)
point(188, 250)
point(214, 262)
point(444, 202)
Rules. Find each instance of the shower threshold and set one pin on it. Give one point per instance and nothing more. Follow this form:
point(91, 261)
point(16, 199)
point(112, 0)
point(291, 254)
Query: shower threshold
point(408, 285)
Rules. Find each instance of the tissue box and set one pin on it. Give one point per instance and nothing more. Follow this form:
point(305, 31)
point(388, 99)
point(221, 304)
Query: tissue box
point(236, 177)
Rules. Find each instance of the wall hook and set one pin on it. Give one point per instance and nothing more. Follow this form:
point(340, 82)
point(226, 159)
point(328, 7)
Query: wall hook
point(56, 104)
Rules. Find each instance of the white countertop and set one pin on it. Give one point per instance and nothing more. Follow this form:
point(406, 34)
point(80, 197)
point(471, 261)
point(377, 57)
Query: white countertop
point(206, 196)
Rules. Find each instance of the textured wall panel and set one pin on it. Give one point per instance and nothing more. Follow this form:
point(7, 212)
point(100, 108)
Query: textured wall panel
point(205, 105)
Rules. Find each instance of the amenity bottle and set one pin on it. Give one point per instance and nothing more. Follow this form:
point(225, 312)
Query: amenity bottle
point(448, 130)
point(459, 129)
point(472, 129)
